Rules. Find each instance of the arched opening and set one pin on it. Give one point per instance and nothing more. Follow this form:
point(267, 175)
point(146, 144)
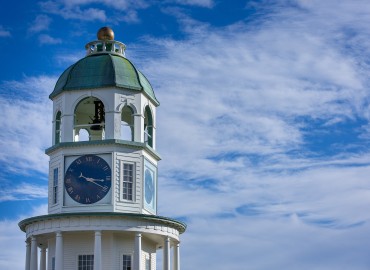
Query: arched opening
point(127, 124)
point(58, 122)
point(82, 135)
point(148, 126)
point(89, 120)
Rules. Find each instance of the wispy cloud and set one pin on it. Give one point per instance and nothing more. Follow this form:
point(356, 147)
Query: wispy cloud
point(41, 23)
point(108, 10)
point(77, 10)
point(237, 104)
point(12, 240)
point(73, 11)
point(26, 104)
point(23, 191)
point(68, 59)
point(49, 40)
point(201, 3)
point(4, 32)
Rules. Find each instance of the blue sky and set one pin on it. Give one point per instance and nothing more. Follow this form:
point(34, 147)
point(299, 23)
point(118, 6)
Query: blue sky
point(263, 125)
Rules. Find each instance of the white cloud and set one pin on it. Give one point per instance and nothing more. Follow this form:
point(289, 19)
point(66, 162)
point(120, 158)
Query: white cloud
point(41, 23)
point(73, 12)
point(13, 247)
point(68, 59)
point(3, 32)
point(237, 104)
point(77, 10)
point(27, 128)
point(46, 39)
point(201, 3)
point(253, 243)
point(244, 91)
point(23, 191)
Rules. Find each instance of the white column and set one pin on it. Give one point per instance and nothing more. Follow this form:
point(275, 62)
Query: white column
point(176, 257)
point(166, 253)
point(112, 123)
point(43, 258)
point(59, 251)
point(154, 136)
point(97, 251)
point(137, 254)
point(138, 127)
point(28, 254)
point(67, 128)
point(33, 259)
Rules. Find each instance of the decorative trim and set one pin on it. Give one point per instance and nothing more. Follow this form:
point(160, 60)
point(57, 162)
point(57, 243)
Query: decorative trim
point(178, 225)
point(130, 144)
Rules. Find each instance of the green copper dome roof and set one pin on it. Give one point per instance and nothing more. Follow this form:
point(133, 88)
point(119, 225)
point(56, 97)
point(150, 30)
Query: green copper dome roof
point(103, 70)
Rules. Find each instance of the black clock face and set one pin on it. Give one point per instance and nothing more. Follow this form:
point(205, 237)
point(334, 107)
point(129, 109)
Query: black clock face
point(149, 186)
point(88, 179)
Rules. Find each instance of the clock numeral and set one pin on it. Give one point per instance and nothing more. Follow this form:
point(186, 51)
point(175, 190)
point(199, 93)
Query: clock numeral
point(87, 200)
point(70, 190)
point(107, 178)
point(98, 161)
point(68, 181)
point(78, 161)
point(98, 197)
point(77, 198)
point(89, 159)
point(105, 188)
point(105, 168)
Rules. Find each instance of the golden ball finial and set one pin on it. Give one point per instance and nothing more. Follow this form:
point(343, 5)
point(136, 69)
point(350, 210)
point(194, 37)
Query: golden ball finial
point(105, 33)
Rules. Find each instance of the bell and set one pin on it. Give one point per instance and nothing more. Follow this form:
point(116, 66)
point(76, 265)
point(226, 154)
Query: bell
point(99, 116)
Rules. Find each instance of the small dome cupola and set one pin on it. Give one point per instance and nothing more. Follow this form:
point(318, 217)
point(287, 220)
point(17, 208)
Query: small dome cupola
point(105, 43)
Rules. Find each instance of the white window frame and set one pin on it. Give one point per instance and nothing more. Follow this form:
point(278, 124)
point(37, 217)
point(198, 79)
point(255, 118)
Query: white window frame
point(55, 185)
point(133, 183)
point(131, 261)
point(90, 259)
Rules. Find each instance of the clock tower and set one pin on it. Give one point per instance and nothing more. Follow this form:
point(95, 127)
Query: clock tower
point(103, 177)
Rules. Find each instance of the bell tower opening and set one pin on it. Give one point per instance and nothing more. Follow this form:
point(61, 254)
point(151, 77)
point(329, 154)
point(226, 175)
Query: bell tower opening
point(148, 126)
point(127, 123)
point(89, 117)
point(58, 123)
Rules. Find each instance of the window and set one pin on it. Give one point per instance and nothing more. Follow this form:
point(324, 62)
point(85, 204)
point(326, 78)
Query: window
point(126, 262)
point(128, 181)
point(55, 186)
point(85, 262)
point(53, 263)
point(57, 127)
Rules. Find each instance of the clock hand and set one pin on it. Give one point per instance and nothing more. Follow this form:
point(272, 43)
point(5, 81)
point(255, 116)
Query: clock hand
point(81, 176)
point(96, 180)
point(92, 181)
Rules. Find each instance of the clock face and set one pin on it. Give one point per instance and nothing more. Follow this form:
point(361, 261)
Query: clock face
point(88, 179)
point(149, 186)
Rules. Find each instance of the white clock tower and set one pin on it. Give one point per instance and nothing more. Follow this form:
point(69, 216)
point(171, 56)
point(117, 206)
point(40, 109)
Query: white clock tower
point(102, 210)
